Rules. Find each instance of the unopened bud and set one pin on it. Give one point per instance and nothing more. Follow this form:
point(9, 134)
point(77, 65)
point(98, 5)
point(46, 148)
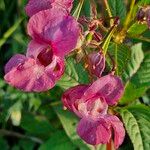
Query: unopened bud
point(97, 63)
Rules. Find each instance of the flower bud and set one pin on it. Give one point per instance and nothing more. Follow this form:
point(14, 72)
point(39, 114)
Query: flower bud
point(96, 63)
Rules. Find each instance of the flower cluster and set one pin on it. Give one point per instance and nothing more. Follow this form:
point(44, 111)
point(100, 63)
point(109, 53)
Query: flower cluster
point(54, 34)
point(90, 103)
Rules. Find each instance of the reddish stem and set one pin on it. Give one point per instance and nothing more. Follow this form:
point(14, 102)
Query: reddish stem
point(109, 145)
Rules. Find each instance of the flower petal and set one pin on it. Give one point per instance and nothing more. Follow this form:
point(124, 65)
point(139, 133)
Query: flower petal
point(38, 51)
point(55, 28)
point(58, 67)
point(30, 76)
point(67, 4)
point(95, 107)
point(72, 95)
point(94, 132)
point(34, 6)
point(97, 63)
point(119, 131)
point(66, 37)
point(34, 48)
point(110, 87)
point(14, 61)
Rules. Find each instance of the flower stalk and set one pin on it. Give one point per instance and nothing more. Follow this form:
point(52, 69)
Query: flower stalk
point(77, 11)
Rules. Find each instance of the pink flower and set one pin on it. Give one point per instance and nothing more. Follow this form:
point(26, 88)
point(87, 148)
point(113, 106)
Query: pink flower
point(34, 74)
point(55, 29)
point(34, 6)
point(90, 103)
point(96, 63)
point(54, 34)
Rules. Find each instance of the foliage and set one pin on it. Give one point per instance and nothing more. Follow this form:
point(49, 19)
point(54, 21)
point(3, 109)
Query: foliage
point(37, 120)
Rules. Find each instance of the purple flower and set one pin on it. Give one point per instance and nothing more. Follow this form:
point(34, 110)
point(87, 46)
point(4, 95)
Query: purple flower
point(90, 103)
point(53, 28)
point(34, 6)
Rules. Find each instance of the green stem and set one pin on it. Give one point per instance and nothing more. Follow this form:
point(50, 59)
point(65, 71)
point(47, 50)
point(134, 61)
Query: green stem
point(107, 40)
point(109, 11)
point(108, 8)
point(116, 59)
point(129, 16)
point(77, 11)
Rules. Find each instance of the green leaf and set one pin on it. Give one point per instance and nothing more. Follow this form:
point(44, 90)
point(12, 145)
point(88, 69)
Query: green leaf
point(26, 144)
point(37, 125)
point(137, 29)
point(133, 65)
point(74, 74)
point(77, 11)
point(85, 10)
point(58, 141)
point(142, 77)
point(10, 31)
point(118, 8)
point(15, 147)
point(131, 93)
point(2, 5)
point(143, 2)
point(137, 123)
point(4, 144)
point(121, 54)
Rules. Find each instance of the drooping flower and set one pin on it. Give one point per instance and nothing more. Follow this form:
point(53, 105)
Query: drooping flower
point(34, 6)
point(55, 29)
point(34, 74)
point(90, 103)
point(96, 63)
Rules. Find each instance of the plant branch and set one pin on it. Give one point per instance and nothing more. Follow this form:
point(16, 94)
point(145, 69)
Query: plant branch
point(18, 135)
point(108, 8)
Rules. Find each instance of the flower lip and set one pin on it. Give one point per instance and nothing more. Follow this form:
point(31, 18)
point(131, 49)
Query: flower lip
point(45, 57)
point(93, 108)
